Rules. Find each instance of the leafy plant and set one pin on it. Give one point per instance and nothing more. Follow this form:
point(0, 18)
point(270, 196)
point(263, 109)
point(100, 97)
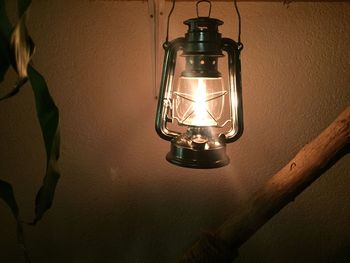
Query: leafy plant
point(16, 51)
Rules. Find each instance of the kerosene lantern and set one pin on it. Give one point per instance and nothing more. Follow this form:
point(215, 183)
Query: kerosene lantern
point(208, 110)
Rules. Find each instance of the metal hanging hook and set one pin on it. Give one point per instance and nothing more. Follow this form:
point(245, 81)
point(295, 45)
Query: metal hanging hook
point(166, 43)
point(240, 44)
point(197, 5)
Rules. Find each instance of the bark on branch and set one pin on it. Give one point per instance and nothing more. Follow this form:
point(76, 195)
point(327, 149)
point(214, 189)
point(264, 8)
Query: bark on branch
point(308, 164)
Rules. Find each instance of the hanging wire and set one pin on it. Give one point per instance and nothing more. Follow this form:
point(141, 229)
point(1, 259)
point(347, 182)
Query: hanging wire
point(167, 24)
point(240, 45)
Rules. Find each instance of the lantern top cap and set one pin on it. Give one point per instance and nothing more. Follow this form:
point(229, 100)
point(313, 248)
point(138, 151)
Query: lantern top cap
point(202, 22)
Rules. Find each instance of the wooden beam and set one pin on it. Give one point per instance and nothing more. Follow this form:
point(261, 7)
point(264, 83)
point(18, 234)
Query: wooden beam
point(257, 1)
point(287, 1)
point(310, 163)
point(281, 1)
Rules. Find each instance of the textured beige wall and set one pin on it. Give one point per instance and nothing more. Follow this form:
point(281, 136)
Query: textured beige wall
point(118, 199)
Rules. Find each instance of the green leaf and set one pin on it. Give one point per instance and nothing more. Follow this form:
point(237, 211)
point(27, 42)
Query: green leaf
point(22, 46)
point(22, 6)
point(5, 25)
point(48, 116)
point(4, 57)
point(16, 88)
point(16, 46)
point(21, 43)
point(5, 33)
point(16, 49)
point(6, 194)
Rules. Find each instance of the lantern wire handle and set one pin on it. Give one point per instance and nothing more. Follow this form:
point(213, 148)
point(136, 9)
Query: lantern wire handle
point(240, 45)
point(167, 25)
point(205, 1)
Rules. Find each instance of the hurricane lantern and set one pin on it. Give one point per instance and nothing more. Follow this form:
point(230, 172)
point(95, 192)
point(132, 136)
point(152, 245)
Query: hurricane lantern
point(202, 103)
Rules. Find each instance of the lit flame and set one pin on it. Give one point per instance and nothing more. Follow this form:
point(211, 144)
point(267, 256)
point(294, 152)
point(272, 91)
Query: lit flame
point(200, 115)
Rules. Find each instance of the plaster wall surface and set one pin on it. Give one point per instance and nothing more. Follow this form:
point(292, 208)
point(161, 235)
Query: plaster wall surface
point(118, 200)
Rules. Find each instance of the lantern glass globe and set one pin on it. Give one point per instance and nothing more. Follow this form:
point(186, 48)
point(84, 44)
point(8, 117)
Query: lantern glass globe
point(199, 101)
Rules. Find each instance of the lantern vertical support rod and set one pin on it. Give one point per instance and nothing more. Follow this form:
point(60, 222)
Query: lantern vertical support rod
point(164, 103)
point(235, 85)
point(156, 14)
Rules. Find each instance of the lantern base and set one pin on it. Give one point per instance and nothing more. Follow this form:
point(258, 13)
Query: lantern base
point(197, 148)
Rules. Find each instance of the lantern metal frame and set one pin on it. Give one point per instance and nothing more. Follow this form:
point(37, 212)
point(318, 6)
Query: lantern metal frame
point(199, 147)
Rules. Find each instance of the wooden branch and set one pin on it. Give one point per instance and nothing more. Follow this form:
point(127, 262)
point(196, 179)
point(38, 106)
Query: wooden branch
point(309, 163)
